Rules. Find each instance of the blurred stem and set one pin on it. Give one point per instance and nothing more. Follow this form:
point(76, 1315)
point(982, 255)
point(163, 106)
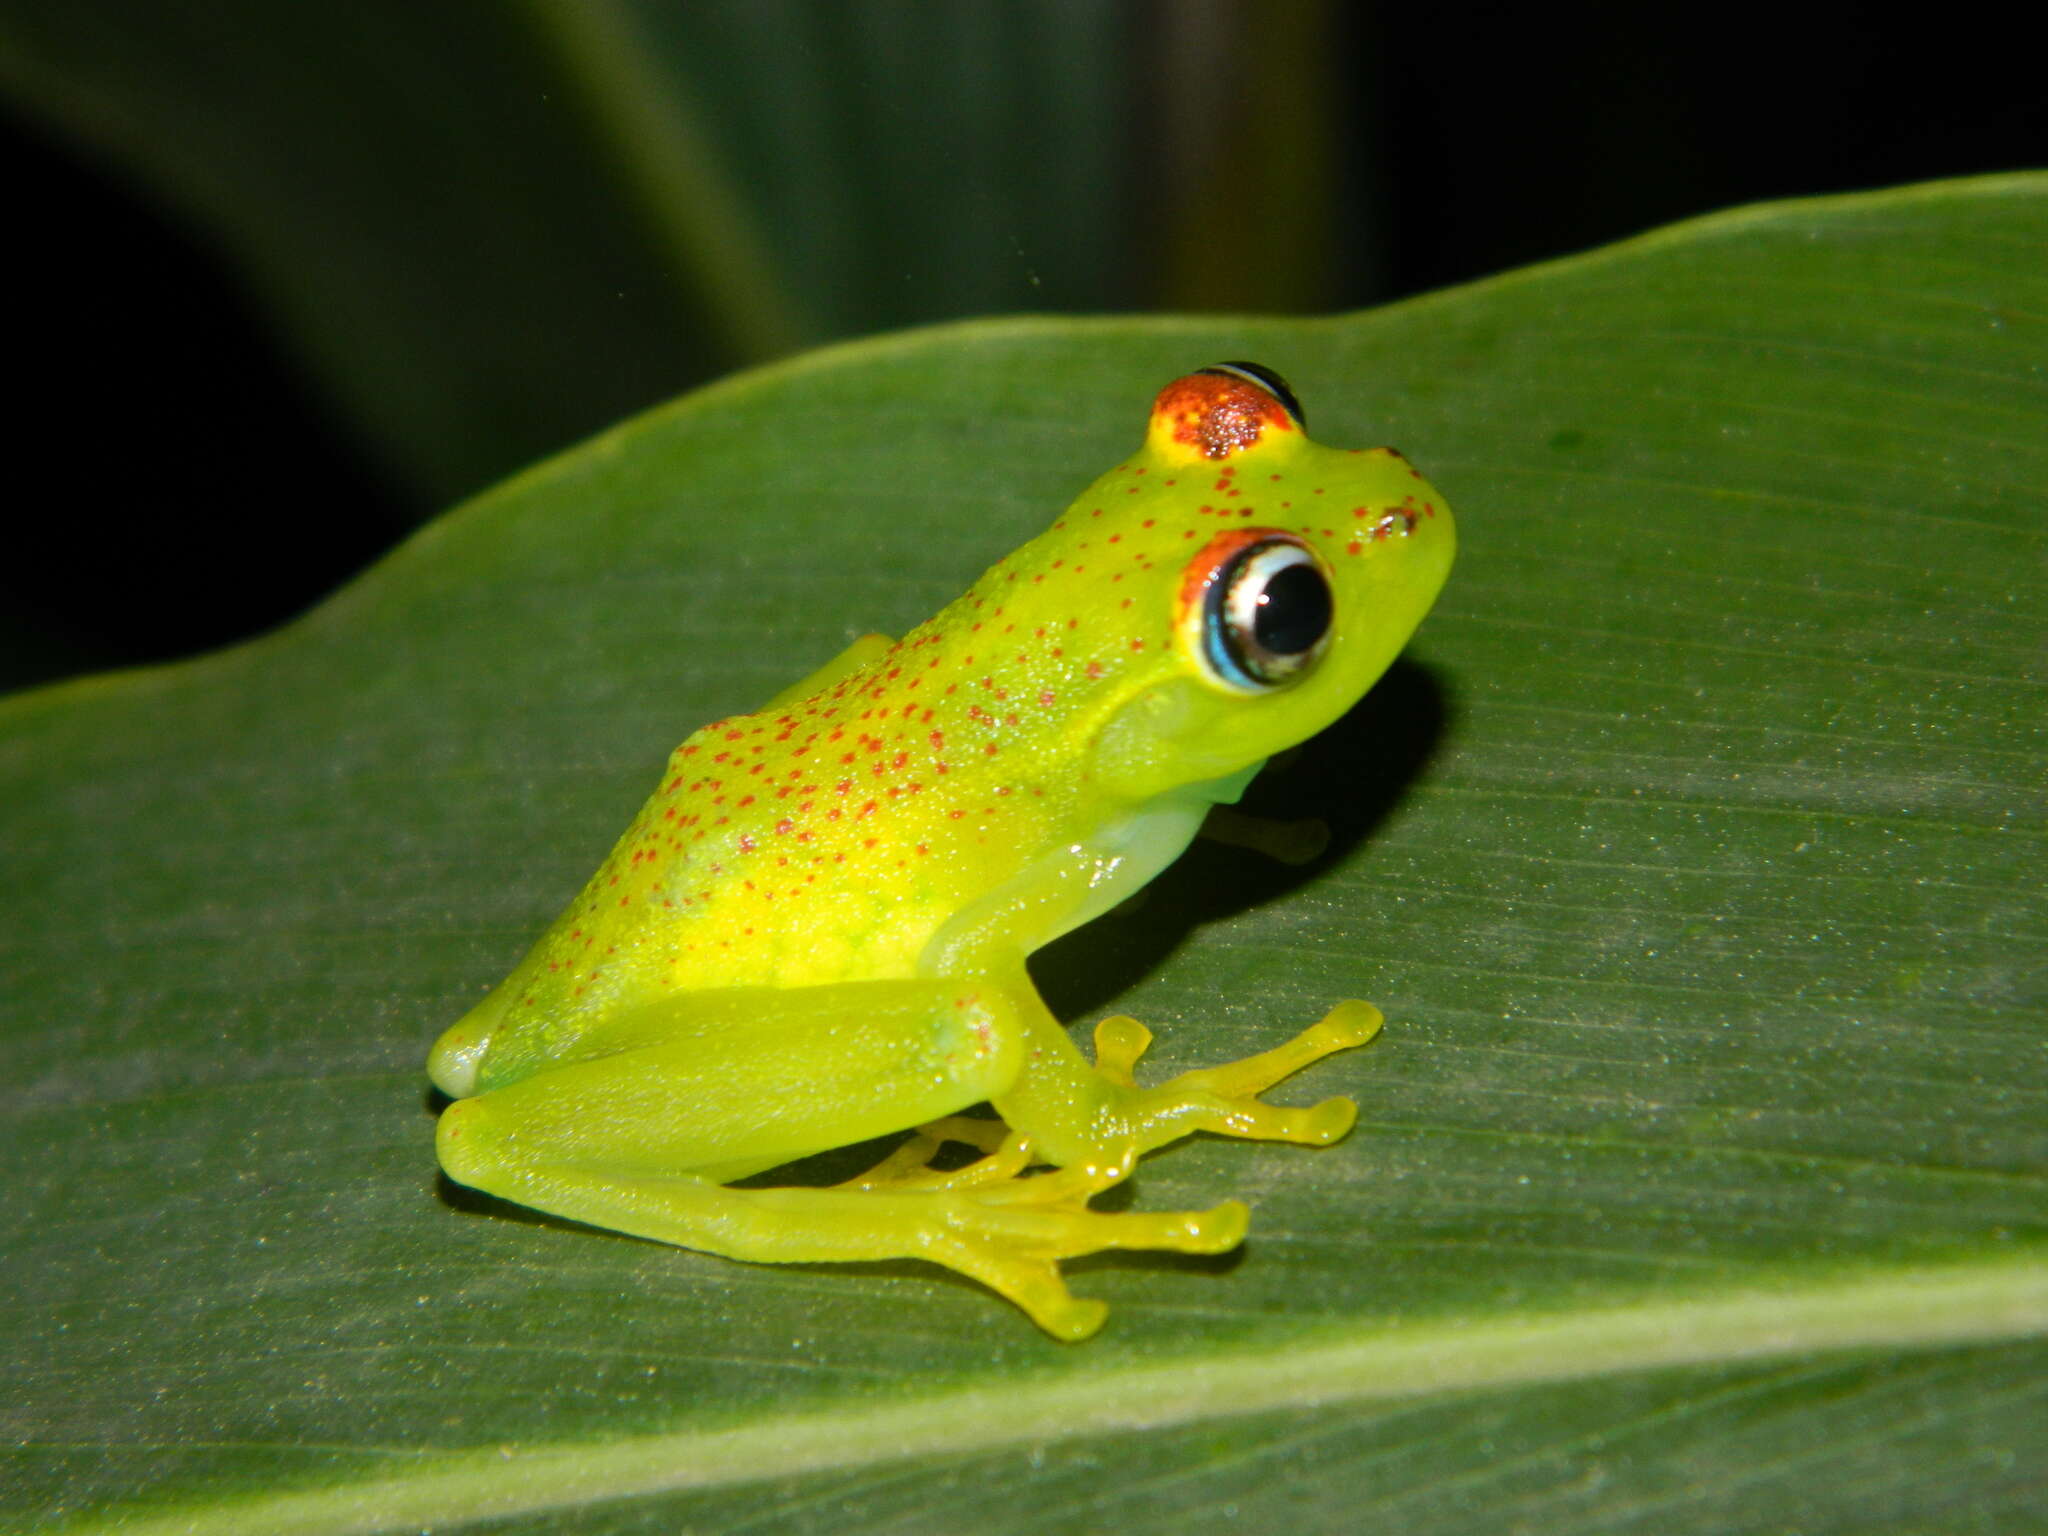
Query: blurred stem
point(1249, 120)
point(696, 213)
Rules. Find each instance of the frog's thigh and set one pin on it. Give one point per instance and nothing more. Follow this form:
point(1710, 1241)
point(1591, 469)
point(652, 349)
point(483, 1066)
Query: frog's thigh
point(715, 1085)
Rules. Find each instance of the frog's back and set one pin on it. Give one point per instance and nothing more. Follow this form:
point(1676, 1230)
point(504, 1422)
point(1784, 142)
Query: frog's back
point(826, 840)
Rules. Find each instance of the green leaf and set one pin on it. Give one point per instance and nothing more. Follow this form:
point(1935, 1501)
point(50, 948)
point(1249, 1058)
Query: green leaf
point(1694, 854)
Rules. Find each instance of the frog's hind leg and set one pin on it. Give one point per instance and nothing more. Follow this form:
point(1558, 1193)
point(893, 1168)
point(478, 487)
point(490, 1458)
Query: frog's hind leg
point(642, 1139)
point(1010, 1237)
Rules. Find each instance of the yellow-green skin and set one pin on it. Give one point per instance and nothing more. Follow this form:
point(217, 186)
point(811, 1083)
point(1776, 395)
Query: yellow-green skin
point(815, 931)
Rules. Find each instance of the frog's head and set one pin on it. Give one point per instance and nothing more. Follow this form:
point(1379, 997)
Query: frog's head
point(1288, 575)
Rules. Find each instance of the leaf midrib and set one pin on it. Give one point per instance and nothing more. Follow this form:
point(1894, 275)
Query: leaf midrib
point(1901, 1309)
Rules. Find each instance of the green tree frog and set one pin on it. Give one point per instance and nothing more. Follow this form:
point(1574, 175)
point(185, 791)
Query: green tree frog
point(815, 931)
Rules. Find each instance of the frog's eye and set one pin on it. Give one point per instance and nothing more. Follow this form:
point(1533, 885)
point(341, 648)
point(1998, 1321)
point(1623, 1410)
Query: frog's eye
point(1267, 379)
point(1259, 606)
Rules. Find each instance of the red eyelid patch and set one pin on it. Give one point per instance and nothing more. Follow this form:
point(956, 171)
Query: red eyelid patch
point(1217, 415)
point(1201, 572)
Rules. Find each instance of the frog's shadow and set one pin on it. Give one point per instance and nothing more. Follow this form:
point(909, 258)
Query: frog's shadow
point(1349, 777)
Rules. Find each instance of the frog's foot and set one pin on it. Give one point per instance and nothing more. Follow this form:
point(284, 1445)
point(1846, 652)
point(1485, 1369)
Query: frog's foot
point(1004, 1155)
point(1011, 1237)
point(1285, 842)
point(1225, 1099)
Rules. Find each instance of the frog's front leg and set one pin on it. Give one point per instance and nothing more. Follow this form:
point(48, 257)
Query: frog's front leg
point(1103, 1119)
point(1100, 1120)
point(662, 1104)
point(1301, 841)
point(1225, 1099)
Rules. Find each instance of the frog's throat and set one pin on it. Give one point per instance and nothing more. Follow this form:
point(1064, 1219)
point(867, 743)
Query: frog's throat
point(1076, 882)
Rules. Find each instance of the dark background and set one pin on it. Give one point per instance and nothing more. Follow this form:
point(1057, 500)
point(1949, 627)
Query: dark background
point(182, 480)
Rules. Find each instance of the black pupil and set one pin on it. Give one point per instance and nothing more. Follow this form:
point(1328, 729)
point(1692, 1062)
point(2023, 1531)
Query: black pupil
point(1294, 611)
